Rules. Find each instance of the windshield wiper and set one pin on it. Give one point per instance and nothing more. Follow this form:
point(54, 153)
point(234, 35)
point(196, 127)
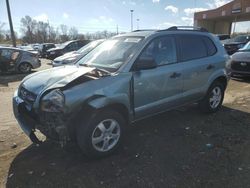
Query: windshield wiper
point(106, 73)
point(103, 70)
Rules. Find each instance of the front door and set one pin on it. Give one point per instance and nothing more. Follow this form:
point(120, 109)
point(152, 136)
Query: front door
point(158, 89)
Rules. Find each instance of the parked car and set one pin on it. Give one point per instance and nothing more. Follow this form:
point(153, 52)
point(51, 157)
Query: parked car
point(240, 62)
point(44, 47)
point(236, 43)
point(223, 36)
point(30, 49)
point(14, 59)
point(72, 57)
point(36, 46)
point(125, 79)
point(65, 47)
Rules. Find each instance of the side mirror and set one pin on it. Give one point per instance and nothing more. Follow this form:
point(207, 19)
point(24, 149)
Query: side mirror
point(145, 63)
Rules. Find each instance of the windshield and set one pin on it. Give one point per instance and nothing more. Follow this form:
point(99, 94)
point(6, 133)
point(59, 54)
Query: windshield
point(90, 46)
point(64, 44)
point(111, 54)
point(246, 47)
point(240, 39)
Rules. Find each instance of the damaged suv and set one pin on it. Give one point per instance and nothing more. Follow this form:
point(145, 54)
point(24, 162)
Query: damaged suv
point(126, 78)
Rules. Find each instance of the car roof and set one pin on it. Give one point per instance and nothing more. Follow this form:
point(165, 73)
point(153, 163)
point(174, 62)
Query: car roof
point(10, 48)
point(171, 30)
point(47, 43)
point(13, 48)
point(138, 33)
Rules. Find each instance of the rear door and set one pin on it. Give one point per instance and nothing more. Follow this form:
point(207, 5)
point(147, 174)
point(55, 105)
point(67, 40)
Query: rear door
point(158, 89)
point(198, 62)
point(9, 57)
point(71, 47)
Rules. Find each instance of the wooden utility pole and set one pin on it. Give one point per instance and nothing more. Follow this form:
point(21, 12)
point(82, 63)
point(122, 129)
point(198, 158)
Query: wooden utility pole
point(11, 25)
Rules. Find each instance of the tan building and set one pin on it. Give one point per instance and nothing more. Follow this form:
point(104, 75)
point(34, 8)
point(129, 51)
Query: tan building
point(219, 20)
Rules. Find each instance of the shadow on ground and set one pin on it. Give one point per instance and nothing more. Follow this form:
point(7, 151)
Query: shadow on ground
point(6, 78)
point(245, 79)
point(180, 148)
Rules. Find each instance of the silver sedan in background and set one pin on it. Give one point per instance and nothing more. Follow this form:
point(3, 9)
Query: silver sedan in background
point(240, 62)
point(72, 57)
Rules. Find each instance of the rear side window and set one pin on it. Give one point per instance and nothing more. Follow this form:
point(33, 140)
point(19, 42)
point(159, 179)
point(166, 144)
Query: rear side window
point(192, 47)
point(211, 49)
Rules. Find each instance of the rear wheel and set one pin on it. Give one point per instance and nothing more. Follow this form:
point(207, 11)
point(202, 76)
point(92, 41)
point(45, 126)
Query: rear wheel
point(213, 100)
point(25, 68)
point(101, 134)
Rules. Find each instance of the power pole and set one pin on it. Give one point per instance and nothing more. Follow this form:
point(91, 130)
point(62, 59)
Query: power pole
point(131, 19)
point(11, 25)
point(117, 29)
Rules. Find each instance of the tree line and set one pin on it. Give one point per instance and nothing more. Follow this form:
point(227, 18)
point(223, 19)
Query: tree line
point(33, 31)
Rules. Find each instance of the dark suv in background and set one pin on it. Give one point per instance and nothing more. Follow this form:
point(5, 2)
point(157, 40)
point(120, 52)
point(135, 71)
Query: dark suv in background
point(44, 47)
point(234, 44)
point(66, 47)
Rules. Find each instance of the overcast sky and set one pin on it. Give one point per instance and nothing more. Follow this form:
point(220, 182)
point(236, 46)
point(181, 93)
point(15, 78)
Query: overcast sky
point(98, 15)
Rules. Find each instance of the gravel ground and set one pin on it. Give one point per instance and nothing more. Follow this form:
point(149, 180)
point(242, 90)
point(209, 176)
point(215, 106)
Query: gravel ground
point(179, 148)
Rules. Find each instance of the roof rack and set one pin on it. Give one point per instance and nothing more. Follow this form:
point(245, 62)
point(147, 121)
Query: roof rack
point(185, 28)
point(138, 30)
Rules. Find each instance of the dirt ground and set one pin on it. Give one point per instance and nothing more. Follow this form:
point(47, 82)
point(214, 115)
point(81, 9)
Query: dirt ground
point(179, 148)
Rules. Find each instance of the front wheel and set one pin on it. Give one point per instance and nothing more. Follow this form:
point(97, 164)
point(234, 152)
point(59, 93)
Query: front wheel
point(101, 134)
point(25, 68)
point(213, 100)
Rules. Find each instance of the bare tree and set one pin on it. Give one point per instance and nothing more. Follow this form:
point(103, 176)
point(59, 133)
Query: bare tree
point(2, 24)
point(64, 33)
point(42, 32)
point(28, 26)
point(52, 34)
point(73, 33)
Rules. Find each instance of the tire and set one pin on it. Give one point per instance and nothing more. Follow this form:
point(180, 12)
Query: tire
point(95, 135)
point(25, 68)
point(212, 102)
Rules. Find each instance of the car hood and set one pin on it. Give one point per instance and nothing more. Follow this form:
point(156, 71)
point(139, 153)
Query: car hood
point(55, 49)
point(53, 78)
point(233, 43)
point(241, 56)
point(69, 55)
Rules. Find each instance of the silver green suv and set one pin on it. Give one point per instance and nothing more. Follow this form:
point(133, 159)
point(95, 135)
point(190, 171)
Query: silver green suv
point(126, 78)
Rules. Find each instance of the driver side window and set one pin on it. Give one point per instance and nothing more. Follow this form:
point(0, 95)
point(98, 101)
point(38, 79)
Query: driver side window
point(162, 50)
point(72, 46)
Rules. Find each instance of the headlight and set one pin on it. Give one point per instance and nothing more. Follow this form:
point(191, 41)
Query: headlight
point(240, 45)
point(53, 102)
point(228, 63)
point(69, 61)
point(52, 52)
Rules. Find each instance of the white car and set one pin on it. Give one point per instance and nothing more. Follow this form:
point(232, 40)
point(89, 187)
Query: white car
point(240, 62)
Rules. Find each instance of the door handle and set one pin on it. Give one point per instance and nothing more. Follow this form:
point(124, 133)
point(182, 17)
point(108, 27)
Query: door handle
point(175, 75)
point(209, 67)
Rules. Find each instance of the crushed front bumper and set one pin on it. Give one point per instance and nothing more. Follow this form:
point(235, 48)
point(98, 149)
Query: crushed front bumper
point(238, 73)
point(24, 120)
point(53, 126)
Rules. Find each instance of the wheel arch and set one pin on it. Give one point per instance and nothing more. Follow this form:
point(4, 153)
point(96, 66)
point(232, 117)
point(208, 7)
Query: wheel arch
point(25, 62)
point(221, 79)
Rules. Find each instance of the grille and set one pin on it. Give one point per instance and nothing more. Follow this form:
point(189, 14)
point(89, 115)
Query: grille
point(241, 66)
point(56, 61)
point(27, 96)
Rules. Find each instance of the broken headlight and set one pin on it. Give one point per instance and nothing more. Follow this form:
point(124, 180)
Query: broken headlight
point(53, 102)
point(69, 60)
